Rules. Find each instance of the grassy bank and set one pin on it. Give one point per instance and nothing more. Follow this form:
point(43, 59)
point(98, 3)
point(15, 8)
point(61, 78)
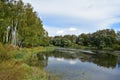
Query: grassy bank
point(14, 64)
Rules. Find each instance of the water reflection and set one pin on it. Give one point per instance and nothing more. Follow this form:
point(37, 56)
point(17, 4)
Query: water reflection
point(79, 66)
point(104, 59)
point(100, 59)
point(72, 62)
point(118, 62)
point(39, 60)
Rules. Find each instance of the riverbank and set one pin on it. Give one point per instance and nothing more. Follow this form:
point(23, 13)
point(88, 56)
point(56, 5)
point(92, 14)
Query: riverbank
point(87, 51)
point(14, 64)
point(20, 63)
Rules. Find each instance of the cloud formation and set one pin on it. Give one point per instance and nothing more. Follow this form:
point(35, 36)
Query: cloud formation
point(61, 31)
point(83, 14)
point(72, 29)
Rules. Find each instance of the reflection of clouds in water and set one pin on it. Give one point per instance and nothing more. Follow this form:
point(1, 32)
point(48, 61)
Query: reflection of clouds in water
point(60, 59)
point(72, 62)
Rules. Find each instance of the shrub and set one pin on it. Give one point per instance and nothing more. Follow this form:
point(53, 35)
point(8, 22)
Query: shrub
point(116, 47)
point(4, 53)
point(11, 70)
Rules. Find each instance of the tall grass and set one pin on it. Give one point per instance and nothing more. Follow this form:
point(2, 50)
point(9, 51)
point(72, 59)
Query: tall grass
point(5, 54)
point(9, 68)
point(13, 64)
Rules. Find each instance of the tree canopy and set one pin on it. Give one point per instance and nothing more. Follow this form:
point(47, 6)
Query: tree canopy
point(20, 25)
point(106, 38)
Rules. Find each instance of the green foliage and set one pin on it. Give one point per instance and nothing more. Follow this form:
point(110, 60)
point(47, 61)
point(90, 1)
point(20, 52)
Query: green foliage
point(118, 37)
point(38, 74)
point(62, 42)
point(14, 63)
point(116, 47)
point(5, 54)
point(102, 39)
point(29, 28)
point(10, 70)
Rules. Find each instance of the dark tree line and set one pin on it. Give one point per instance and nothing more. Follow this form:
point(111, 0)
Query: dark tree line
point(100, 39)
point(20, 25)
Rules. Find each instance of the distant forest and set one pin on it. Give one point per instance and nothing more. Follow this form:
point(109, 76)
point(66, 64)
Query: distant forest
point(101, 39)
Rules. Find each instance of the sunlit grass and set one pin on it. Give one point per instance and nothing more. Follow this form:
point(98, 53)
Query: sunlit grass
point(13, 64)
point(11, 70)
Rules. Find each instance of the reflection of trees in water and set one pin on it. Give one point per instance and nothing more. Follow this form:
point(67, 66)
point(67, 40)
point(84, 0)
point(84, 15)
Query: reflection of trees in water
point(63, 55)
point(39, 60)
point(118, 62)
point(118, 59)
point(105, 60)
point(101, 59)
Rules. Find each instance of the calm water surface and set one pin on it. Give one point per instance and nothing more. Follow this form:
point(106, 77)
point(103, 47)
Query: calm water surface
point(80, 66)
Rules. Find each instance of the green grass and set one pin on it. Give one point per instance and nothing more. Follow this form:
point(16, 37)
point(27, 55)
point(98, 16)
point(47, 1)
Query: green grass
point(14, 64)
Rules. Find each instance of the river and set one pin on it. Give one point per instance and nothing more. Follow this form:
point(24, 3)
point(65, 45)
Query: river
point(80, 66)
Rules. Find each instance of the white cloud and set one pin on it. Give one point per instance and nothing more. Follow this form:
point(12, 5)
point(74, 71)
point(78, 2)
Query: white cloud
point(60, 32)
point(72, 29)
point(100, 14)
point(91, 10)
point(53, 30)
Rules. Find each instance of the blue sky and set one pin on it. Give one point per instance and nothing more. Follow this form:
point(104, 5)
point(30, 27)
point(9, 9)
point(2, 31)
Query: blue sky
point(62, 17)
